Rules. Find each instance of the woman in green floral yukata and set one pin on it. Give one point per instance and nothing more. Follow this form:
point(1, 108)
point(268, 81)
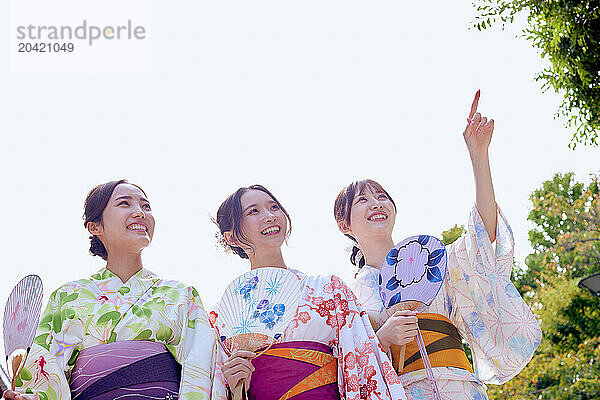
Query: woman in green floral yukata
point(123, 332)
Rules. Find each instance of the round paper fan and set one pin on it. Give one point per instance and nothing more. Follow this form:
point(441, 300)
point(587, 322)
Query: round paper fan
point(410, 278)
point(257, 307)
point(21, 316)
point(412, 274)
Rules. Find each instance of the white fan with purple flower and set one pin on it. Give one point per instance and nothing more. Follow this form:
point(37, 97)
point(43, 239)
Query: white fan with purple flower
point(410, 278)
point(255, 310)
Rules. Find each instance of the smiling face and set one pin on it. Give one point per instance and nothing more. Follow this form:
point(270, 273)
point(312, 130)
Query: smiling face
point(127, 221)
point(372, 214)
point(263, 222)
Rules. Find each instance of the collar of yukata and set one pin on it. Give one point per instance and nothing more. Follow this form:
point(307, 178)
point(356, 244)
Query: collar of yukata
point(105, 273)
point(369, 275)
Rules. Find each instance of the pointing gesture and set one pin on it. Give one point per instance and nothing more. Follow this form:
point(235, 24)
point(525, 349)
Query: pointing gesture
point(478, 132)
point(478, 135)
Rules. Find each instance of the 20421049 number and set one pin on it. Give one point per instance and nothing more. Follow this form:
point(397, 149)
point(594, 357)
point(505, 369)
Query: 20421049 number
point(46, 47)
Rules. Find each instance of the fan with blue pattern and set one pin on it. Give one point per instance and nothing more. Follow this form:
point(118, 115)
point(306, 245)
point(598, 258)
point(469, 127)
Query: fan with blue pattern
point(255, 310)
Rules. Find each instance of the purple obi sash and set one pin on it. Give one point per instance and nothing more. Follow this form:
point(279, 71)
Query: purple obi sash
point(295, 370)
point(133, 369)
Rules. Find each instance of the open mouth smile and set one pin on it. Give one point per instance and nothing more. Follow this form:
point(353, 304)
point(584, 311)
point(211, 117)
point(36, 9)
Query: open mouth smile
point(378, 217)
point(271, 230)
point(137, 227)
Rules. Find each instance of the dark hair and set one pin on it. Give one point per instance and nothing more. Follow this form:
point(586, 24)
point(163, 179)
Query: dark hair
point(94, 206)
point(229, 218)
point(342, 208)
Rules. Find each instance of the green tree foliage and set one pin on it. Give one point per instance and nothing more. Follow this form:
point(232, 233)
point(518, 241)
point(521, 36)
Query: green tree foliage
point(449, 236)
point(566, 236)
point(567, 33)
point(566, 243)
point(569, 316)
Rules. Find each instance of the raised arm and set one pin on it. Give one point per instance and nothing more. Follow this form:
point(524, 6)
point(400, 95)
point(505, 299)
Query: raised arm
point(478, 135)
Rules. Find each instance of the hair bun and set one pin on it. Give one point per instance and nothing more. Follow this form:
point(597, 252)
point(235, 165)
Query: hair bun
point(221, 242)
point(357, 258)
point(97, 248)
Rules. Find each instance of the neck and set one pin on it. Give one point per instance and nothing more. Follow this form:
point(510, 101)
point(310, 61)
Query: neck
point(263, 258)
point(124, 265)
point(375, 250)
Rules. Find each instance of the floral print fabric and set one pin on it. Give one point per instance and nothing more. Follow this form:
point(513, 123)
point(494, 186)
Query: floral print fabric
point(328, 313)
point(102, 309)
point(480, 300)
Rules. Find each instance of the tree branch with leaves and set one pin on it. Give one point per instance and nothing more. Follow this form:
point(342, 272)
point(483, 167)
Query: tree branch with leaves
point(567, 33)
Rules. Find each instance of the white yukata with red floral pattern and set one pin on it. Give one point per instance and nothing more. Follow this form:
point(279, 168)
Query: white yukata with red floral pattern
point(328, 313)
point(480, 300)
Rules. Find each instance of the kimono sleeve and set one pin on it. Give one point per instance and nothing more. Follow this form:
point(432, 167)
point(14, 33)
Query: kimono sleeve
point(196, 350)
point(364, 371)
point(484, 304)
point(55, 347)
point(219, 389)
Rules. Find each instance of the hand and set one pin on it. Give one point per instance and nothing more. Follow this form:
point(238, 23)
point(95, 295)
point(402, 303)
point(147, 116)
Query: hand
point(238, 367)
point(399, 329)
point(12, 395)
point(478, 133)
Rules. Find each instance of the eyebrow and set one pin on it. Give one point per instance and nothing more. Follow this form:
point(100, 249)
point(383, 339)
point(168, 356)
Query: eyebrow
point(363, 192)
point(127, 197)
point(255, 205)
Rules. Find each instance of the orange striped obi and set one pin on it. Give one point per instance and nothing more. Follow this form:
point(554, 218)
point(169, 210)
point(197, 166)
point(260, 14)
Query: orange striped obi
point(295, 370)
point(443, 344)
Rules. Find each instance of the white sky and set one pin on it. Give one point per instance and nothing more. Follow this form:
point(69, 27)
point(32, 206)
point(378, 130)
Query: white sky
point(302, 97)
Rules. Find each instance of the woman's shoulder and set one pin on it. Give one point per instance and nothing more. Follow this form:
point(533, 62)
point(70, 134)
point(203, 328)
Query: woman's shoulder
point(172, 286)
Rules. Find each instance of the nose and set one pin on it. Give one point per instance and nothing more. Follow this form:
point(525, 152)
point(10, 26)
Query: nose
point(377, 204)
point(139, 213)
point(270, 217)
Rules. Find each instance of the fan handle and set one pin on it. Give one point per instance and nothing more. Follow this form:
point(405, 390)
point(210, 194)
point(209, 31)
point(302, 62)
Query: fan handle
point(237, 392)
point(398, 354)
point(15, 363)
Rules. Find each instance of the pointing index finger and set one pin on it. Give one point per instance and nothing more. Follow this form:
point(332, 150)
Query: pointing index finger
point(474, 105)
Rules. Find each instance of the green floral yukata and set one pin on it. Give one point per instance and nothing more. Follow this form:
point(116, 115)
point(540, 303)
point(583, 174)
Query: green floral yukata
point(102, 309)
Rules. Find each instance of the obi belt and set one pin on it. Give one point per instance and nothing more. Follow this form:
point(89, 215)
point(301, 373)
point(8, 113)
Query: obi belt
point(295, 370)
point(443, 344)
point(134, 369)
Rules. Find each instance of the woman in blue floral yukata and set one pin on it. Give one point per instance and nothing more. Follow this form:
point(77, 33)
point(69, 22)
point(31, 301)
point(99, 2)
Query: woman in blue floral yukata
point(122, 332)
point(477, 302)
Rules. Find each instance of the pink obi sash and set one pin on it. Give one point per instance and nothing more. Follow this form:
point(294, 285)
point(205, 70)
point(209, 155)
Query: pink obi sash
point(295, 370)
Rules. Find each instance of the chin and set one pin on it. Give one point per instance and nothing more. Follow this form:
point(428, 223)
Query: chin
point(141, 243)
point(381, 230)
point(273, 242)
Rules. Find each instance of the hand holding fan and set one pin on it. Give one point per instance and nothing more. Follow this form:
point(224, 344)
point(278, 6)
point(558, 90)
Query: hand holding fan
point(410, 278)
point(255, 310)
point(21, 316)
